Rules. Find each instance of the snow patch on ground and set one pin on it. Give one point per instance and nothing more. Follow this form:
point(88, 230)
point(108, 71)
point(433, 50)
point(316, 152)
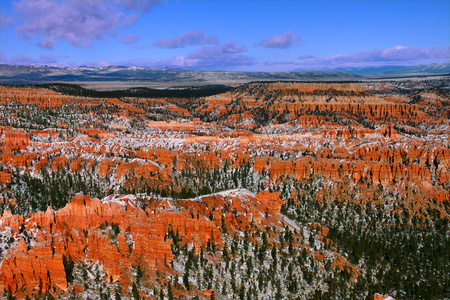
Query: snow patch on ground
point(234, 193)
point(122, 200)
point(291, 223)
point(8, 239)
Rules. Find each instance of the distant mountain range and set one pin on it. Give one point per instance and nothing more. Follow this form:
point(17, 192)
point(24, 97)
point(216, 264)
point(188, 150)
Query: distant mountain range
point(167, 77)
point(443, 68)
point(34, 73)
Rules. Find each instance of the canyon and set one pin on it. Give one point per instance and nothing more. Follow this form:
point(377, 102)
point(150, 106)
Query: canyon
point(127, 195)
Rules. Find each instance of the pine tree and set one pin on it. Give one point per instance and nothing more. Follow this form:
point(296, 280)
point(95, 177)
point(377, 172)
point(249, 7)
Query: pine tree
point(169, 291)
point(242, 292)
point(135, 291)
point(186, 279)
point(311, 240)
point(118, 292)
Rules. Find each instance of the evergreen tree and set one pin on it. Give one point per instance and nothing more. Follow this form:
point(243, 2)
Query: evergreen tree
point(135, 291)
point(169, 291)
point(186, 279)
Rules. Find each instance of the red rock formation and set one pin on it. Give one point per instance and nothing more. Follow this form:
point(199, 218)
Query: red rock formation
point(124, 168)
point(15, 139)
point(42, 163)
point(388, 131)
point(96, 133)
point(76, 231)
point(75, 166)
point(51, 133)
point(4, 178)
point(61, 124)
point(381, 297)
point(29, 267)
point(181, 111)
point(208, 293)
point(105, 167)
point(61, 233)
point(272, 200)
point(147, 170)
point(21, 160)
point(59, 163)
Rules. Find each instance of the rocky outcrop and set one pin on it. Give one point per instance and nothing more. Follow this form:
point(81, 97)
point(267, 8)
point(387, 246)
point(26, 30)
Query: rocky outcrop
point(272, 200)
point(181, 111)
point(105, 167)
point(383, 168)
point(124, 168)
point(5, 178)
point(59, 162)
point(75, 165)
point(49, 133)
point(41, 164)
point(76, 231)
point(96, 133)
point(388, 131)
point(32, 269)
point(20, 160)
point(15, 139)
point(82, 231)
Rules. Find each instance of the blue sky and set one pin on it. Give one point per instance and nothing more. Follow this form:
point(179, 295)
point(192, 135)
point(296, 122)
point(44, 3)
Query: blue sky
point(225, 35)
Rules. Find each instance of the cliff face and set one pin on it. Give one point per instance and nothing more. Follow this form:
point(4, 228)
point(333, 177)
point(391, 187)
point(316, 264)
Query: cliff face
point(16, 140)
point(373, 171)
point(76, 231)
point(4, 178)
point(40, 97)
point(82, 231)
point(324, 105)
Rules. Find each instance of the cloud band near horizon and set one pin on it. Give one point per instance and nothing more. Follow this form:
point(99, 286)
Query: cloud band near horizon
point(399, 55)
point(230, 54)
